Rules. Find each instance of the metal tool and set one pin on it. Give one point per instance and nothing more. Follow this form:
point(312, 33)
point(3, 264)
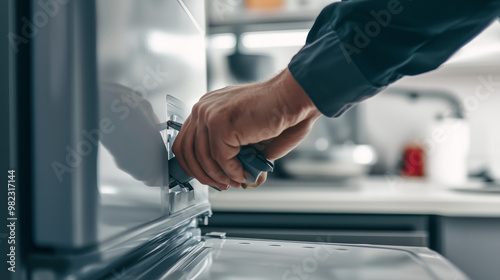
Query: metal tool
point(253, 162)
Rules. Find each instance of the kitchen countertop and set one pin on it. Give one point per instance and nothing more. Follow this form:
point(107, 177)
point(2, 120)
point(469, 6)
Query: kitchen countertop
point(381, 195)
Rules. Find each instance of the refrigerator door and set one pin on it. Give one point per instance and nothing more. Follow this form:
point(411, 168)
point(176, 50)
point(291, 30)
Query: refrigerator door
point(146, 50)
point(101, 74)
point(234, 259)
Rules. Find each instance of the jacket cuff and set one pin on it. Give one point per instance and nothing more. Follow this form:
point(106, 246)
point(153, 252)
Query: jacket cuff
point(329, 76)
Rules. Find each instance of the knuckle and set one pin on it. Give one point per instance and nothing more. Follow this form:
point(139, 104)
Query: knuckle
point(212, 121)
point(232, 116)
point(196, 110)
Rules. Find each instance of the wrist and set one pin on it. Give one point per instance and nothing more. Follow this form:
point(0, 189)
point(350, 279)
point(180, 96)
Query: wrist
point(294, 98)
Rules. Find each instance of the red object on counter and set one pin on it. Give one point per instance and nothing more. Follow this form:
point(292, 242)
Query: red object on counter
point(413, 161)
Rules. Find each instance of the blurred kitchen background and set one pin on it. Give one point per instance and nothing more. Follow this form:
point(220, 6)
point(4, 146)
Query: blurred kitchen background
point(416, 165)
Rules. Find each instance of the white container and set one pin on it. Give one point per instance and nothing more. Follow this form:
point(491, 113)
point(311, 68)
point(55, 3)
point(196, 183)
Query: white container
point(447, 148)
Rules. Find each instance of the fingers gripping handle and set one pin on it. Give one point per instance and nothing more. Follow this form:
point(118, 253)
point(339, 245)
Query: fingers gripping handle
point(252, 161)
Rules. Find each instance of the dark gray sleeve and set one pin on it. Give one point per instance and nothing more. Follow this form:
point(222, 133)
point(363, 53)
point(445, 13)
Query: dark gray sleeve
point(358, 47)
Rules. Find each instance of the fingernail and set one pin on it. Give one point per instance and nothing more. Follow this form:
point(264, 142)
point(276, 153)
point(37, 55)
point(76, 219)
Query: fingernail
point(223, 187)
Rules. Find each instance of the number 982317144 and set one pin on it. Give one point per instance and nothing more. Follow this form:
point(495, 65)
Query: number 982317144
point(11, 192)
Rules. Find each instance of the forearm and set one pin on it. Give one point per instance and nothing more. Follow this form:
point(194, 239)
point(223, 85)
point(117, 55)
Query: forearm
point(356, 48)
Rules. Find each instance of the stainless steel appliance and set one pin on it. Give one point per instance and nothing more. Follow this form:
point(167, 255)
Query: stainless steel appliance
point(90, 88)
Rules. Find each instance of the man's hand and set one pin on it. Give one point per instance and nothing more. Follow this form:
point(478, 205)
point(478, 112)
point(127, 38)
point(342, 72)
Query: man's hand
point(274, 115)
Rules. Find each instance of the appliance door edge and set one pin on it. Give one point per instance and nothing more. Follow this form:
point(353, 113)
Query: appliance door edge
point(64, 97)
